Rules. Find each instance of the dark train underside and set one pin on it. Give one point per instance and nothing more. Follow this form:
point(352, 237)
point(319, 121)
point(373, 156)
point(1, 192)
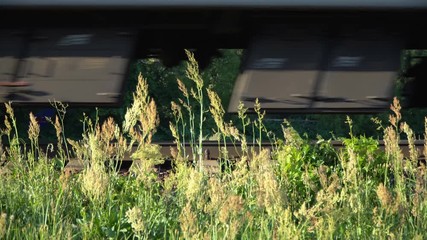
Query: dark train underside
point(296, 60)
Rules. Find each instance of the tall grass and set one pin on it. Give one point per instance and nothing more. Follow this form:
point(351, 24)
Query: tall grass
point(299, 190)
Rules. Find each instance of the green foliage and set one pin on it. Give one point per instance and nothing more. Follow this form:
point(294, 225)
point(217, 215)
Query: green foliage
point(298, 161)
point(295, 189)
point(218, 76)
point(370, 160)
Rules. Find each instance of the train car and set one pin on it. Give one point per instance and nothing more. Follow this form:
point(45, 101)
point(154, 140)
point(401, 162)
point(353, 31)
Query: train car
point(301, 56)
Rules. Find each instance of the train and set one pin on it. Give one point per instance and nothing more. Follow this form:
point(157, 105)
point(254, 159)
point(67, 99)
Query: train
point(305, 56)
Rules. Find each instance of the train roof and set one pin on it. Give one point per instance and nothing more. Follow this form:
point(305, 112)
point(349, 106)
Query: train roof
point(321, 4)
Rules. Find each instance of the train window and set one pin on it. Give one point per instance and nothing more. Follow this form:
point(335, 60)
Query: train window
point(10, 47)
point(360, 74)
point(75, 66)
point(279, 73)
point(319, 74)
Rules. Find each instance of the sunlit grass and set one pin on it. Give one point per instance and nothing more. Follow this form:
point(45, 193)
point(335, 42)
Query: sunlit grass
point(298, 190)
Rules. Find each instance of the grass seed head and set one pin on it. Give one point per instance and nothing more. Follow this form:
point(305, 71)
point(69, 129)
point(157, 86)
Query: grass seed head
point(194, 185)
point(176, 110)
point(94, 182)
point(216, 195)
point(192, 70)
point(135, 218)
point(34, 128)
point(3, 224)
point(188, 222)
point(419, 196)
point(9, 110)
point(241, 110)
point(108, 130)
point(217, 111)
point(235, 226)
point(240, 175)
point(145, 159)
point(58, 129)
point(267, 185)
point(385, 197)
point(395, 107)
point(182, 88)
point(8, 126)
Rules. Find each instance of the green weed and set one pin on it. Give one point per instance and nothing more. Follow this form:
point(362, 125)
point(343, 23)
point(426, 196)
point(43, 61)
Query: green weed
point(296, 189)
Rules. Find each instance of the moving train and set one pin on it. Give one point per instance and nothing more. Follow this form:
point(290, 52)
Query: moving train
point(316, 56)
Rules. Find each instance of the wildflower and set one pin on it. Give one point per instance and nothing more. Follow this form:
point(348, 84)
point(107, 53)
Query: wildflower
point(194, 185)
point(135, 218)
point(94, 182)
point(145, 158)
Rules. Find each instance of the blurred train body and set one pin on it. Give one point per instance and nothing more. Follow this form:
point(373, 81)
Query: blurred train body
point(301, 56)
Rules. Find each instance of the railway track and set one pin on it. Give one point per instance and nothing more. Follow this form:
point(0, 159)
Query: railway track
point(212, 160)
